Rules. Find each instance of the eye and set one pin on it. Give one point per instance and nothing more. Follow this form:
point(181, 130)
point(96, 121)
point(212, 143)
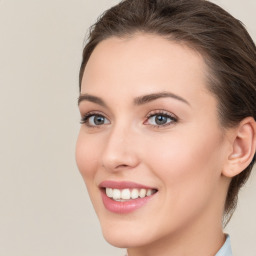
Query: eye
point(161, 119)
point(91, 120)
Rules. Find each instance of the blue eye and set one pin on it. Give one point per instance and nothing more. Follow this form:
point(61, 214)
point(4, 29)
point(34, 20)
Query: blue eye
point(94, 120)
point(161, 119)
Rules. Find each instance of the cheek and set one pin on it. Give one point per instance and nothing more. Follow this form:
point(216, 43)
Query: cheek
point(187, 170)
point(186, 163)
point(86, 156)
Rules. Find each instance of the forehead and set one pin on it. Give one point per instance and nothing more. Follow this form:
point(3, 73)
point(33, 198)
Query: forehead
point(144, 62)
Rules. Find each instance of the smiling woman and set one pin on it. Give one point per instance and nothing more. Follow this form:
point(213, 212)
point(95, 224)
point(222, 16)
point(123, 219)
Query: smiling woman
point(168, 132)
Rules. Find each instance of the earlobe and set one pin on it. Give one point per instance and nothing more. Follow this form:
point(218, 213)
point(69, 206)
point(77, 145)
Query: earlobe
point(243, 148)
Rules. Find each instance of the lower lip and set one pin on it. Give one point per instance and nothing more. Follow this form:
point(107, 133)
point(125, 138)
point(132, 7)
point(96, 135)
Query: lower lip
point(124, 207)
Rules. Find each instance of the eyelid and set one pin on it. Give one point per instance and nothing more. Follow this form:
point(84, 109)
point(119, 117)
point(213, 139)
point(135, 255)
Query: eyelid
point(87, 115)
point(165, 113)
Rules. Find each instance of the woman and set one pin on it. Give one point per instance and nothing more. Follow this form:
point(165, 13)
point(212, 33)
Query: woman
point(168, 134)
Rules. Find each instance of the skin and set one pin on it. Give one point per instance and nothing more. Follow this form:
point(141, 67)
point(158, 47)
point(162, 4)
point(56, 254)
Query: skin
point(184, 160)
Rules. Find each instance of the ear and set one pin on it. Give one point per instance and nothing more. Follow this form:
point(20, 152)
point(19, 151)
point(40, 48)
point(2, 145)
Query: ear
point(243, 147)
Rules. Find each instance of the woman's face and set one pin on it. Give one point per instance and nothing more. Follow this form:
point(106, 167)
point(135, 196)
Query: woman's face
point(150, 137)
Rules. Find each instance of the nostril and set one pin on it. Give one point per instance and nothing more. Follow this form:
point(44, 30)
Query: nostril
point(122, 166)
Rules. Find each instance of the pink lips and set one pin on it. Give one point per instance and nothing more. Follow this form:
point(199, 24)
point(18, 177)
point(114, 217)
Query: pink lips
point(126, 206)
point(121, 185)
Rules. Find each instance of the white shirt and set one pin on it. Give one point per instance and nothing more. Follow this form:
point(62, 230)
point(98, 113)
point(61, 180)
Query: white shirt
point(225, 250)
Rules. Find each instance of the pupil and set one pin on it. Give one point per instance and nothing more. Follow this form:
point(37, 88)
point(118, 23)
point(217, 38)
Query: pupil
point(161, 120)
point(98, 120)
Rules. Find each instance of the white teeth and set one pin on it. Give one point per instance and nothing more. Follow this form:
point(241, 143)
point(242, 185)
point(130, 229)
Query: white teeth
point(116, 194)
point(127, 194)
point(143, 193)
point(109, 192)
point(135, 193)
point(149, 192)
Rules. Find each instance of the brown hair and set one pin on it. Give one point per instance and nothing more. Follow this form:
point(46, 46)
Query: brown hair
point(228, 50)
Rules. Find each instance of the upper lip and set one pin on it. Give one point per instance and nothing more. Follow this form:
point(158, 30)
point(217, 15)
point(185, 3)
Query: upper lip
point(122, 185)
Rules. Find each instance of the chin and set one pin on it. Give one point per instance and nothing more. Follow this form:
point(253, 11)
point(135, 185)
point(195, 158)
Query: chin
point(120, 242)
point(124, 240)
point(123, 236)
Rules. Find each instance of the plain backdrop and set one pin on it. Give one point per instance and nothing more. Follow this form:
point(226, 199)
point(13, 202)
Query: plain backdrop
point(44, 207)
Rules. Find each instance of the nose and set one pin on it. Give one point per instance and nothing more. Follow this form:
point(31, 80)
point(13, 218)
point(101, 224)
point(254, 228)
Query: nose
point(120, 150)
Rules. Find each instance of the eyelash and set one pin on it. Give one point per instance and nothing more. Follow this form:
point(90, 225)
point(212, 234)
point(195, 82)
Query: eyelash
point(163, 113)
point(86, 117)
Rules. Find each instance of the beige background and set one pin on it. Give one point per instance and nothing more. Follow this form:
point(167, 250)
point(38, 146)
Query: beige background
point(44, 207)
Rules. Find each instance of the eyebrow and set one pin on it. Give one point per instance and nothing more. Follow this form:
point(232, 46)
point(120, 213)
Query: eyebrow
point(91, 98)
point(154, 96)
point(137, 101)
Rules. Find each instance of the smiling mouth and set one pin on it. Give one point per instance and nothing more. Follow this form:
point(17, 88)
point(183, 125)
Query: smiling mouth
point(127, 194)
point(124, 197)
